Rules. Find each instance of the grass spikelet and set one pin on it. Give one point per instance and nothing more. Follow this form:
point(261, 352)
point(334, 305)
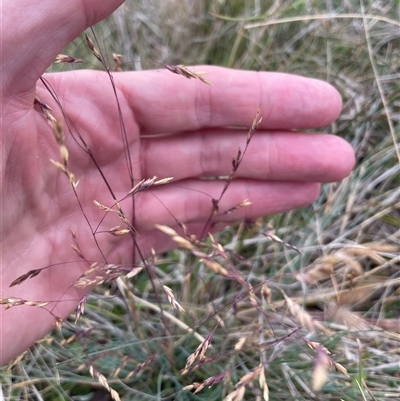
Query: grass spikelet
point(57, 127)
point(102, 207)
point(171, 299)
point(114, 231)
point(11, 302)
point(141, 366)
point(236, 395)
point(103, 381)
point(240, 343)
point(75, 246)
point(263, 385)
point(92, 48)
point(322, 362)
point(217, 246)
point(58, 130)
point(118, 232)
point(63, 58)
point(198, 354)
point(275, 238)
point(266, 293)
point(236, 161)
point(54, 123)
point(117, 62)
point(64, 154)
point(59, 166)
point(147, 183)
point(210, 381)
point(185, 72)
point(21, 279)
point(80, 309)
point(134, 272)
point(339, 368)
point(58, 322)
point(244, 203)
point(302, 316)
point(320, 371)
point(249, 377)
point(41, 106)
point(99, 274)
point(255, 124)
point(181, 242)
point(215, 267)
point(252, 296)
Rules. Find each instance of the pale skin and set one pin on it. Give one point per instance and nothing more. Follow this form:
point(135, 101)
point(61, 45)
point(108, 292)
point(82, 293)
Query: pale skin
point(282, 169)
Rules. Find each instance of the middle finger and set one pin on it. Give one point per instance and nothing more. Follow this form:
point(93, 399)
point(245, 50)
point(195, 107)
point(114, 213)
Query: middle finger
point(277, 155)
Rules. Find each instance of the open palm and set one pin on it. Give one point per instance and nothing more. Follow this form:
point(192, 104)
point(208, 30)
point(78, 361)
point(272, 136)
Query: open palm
point(175, 128)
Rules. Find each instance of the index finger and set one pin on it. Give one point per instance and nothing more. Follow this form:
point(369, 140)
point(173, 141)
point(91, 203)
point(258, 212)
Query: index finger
point(164, 102)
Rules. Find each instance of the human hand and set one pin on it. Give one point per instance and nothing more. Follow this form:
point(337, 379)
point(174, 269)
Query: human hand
point(281, 171)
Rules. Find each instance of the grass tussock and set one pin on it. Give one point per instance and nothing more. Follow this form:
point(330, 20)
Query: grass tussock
point(303, 305)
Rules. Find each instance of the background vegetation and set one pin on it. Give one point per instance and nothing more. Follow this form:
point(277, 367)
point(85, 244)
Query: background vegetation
point(341, 291)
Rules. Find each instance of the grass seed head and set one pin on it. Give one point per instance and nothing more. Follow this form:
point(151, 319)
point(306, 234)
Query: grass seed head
point(320, 371)
point(117, 62)
point(103, 381)
point(185, 72)
point(92, 48)
point(63, 58)
point(171, 299)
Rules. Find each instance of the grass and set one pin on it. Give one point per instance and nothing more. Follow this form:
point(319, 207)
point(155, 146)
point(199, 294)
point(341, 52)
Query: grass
point(342, 291)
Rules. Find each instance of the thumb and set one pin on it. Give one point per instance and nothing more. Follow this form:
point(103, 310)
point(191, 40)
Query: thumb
point(34, 32)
